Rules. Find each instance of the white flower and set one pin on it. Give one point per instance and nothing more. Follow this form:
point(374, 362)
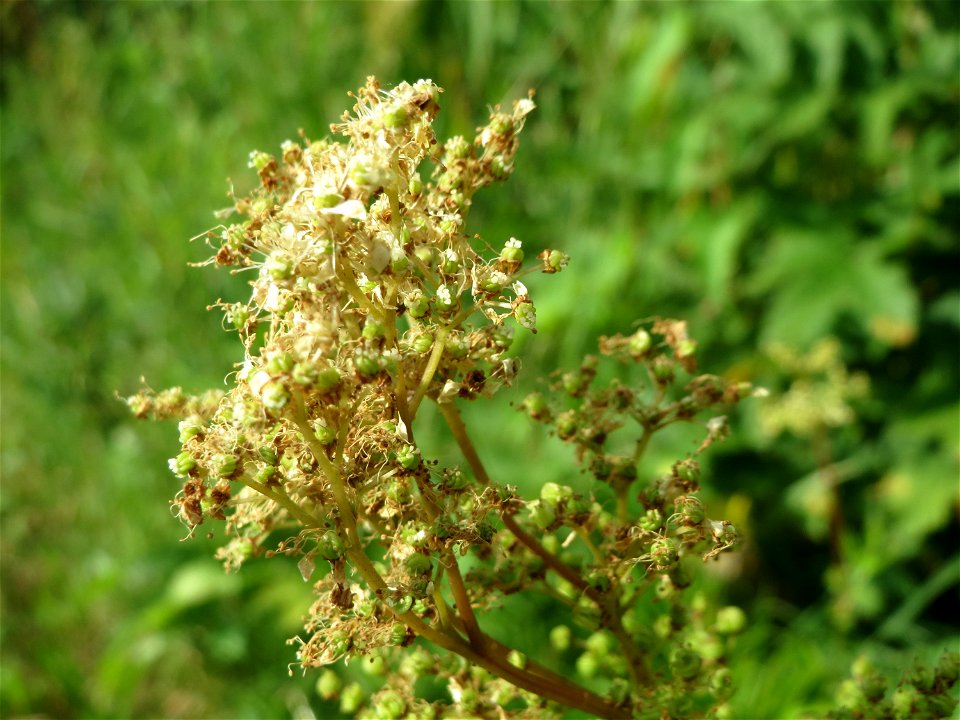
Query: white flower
point(449, 392)
point(352, 209)
point(444, 296)
point(524, 107)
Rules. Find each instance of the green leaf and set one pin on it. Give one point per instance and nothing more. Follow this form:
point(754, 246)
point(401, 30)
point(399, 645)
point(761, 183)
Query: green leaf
point(813, 280)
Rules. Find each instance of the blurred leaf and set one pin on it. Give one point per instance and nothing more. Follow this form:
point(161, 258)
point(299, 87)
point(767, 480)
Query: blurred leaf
point(817, 282)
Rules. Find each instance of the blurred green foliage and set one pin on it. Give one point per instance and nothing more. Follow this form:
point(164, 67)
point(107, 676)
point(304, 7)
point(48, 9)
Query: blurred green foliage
point(776, 173)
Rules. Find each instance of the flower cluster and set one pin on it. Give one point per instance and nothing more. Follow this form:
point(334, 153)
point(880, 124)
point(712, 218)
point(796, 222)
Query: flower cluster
point(368, 298)
point(924, 691)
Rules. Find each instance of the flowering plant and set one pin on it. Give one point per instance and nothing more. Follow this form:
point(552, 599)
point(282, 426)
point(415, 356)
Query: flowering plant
point(370, 298)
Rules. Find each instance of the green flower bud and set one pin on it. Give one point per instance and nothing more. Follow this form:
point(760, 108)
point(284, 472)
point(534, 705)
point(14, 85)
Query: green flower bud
point(664, 554)
point(264, 474)
point(588, 665)
point(327, 200)
point(399, 261)
point(691, 510)
point(417, 305)
point(526, 315)
point(366, 362)
point(238, 315)
point(366, 608)
point(373, 329)
point(409, 457)
point(398, 634)
point(560, 637)
point(189, 428)
point(363, 172)
point(566, 425)
point(422, 343)
point(259, 160)
point(340, 642)
point(182, 463)
point(550, 543)
point(457, 347)
point(415, 186)
point(512, 252)
point(542, 514)
point(456, 148)
point(329, 684)
point(663, 370)
point(685, 663)
point(639, 343)
point(494, 282)
point(449, 262)
point(652, 521)
point(416, 662)
point(663, 626)
point(501, 123)
point(279, 265)
point(554, 260)
point(686, 348)
point(499, 169)
point(415, 535)
point(721, 683)
point(268, 455)
point(598, 580)
point(573, 384)
point(289, 461)
point(304, 374)
point(426, 255)
point(274, 395)
point(330, 546)
point(688, 471)
point(553, 493)
point(351, 699)
point(579, 505)
point(536, 407)
point(517, 659)
point(445, 300)
point(454, 479)
point(419, 564)
point(327, 379)
point(402, 604)
point(225, 465)
point(600, 644)
point(398, 491)
point(731, 620)
point(324, 434)
point(396, 117)
point(279, 363)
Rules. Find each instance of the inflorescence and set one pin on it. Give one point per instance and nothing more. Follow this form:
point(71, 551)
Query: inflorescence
point(369, 297)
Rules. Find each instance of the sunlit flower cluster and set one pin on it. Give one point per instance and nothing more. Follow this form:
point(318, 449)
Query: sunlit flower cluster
point(369, 297)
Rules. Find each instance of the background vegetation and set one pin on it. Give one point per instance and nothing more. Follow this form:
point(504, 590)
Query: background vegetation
point(776, 173)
